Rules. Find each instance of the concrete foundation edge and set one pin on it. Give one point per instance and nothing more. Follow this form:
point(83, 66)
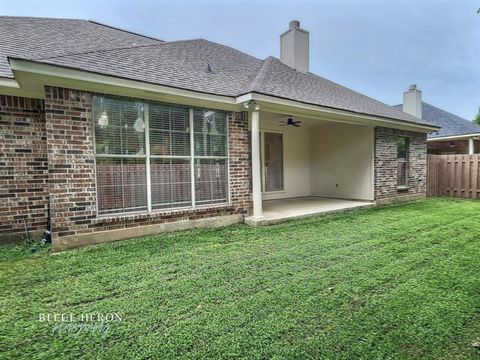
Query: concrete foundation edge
point(18, 237)
point(266, 222)
point(75, 241)
point(406, 197)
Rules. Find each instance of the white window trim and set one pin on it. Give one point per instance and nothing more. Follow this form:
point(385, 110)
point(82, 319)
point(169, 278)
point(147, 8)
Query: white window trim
point(147, 154)
point(192, 157)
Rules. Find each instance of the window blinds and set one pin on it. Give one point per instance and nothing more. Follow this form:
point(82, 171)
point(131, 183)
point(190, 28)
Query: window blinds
point(124, 129)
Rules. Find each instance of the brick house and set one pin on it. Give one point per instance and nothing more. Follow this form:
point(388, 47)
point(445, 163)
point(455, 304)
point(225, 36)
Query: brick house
point(107, 135)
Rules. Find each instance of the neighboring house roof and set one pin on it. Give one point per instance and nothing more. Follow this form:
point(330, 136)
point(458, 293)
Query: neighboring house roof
point(197, 65)
point(451, 125)
point(27, 36)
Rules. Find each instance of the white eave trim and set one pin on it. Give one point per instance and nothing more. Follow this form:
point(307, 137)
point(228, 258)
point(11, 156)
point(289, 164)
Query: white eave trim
point(7, 82)
point(455, 137)
point(375, 120)
point(80, 75)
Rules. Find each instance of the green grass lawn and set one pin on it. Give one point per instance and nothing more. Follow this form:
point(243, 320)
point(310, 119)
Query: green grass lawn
point(401, 281)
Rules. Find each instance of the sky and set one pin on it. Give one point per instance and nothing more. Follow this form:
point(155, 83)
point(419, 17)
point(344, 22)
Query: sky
point(377, 47)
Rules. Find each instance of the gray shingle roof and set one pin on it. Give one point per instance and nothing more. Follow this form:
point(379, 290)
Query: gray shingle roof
point(451, 124)
point(198, 65)
point(29, 36)
point(280, 80)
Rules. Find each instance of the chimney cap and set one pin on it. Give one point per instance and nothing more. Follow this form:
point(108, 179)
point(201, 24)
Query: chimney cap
point(412, 87)
point(294, 24)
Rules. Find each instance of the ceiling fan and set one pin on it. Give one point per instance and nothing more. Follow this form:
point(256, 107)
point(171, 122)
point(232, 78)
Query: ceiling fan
point(291, 121)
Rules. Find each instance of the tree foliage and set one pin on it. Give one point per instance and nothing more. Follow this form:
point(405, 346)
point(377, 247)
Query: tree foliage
point(477, 117)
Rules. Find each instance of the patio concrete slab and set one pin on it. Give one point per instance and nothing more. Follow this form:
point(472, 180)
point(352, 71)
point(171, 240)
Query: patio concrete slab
point(278, 211)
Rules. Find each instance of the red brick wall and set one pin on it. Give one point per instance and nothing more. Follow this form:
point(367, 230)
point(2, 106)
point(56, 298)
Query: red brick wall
point(240, 168)
point(23, 165)
point(385, 146)
point(72, 170)
point(71, 161)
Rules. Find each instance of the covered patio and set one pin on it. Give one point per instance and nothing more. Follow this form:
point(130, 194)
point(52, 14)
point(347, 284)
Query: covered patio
point(321, 165)
point(281, 210)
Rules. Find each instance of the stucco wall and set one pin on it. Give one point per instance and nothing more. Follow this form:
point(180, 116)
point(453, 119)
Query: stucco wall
point(296, 160)
point(342, 161)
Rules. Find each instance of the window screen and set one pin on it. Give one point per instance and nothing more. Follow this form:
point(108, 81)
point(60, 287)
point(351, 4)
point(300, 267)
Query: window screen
point(119, 126)
point(402, 160)
point(170, 182)
point(169, 130)
point(210, 181)
point(210, 129)
point(210, 138)
point(120, 149)
point(121, 185)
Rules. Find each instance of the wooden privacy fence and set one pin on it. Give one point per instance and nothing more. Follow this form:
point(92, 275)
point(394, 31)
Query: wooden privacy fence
point(453, 175)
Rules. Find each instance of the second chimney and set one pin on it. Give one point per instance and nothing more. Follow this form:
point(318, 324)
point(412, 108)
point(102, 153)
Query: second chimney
point(294, 47)
point(412, 101)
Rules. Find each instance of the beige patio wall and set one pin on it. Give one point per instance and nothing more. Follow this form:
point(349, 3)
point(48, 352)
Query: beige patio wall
point(296, 159)
point(342, 161)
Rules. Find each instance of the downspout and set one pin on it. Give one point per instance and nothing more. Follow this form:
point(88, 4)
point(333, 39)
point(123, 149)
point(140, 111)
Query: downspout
point(47, 235)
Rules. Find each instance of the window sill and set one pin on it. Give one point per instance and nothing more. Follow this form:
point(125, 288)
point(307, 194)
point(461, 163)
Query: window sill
point(158, 213)
point(403, 188)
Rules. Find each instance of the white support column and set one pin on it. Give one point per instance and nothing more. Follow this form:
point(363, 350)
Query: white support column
point(256, 178)
point(471, 147)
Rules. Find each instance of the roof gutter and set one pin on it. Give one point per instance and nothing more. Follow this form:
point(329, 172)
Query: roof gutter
point(61, 76)
point(8, 82)
point(337, 113)
point(455, 137)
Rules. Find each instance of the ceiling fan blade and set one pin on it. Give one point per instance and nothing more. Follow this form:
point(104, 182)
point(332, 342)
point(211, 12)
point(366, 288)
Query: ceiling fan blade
point(295, 125)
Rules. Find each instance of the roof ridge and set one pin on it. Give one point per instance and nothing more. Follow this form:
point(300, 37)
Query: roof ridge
point(162, 42)
point(40, 17)
point(93, 51)
point(258, 79)
point(228, 47)
point(124, 30)
point(86, 20)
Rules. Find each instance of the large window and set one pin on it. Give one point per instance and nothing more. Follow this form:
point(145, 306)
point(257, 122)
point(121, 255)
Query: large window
point(210, 143)
point(152, 156)
point(169, 134)
point(402, 160)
